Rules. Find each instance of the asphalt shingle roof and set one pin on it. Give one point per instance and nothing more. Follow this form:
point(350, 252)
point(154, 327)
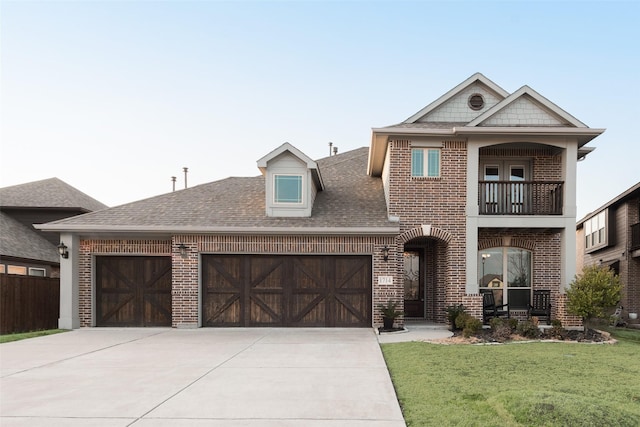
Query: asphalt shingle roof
point(351, 199)
point(47, 193)
point(18, 240)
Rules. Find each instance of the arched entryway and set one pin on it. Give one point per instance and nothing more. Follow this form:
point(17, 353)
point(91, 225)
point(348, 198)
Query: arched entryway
point(425, 273)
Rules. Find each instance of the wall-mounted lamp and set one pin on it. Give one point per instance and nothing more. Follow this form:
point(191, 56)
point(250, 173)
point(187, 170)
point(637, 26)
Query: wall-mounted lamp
point(183, 250)
point(63, 250)
point(385, 253)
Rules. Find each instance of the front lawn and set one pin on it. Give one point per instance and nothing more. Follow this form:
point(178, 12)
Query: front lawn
point(25, 335)
point(517, 384)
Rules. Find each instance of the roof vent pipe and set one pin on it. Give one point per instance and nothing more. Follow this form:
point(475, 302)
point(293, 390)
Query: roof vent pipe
point(335, 150)
point(330, 145)
point(173, 180)
point(185, 169)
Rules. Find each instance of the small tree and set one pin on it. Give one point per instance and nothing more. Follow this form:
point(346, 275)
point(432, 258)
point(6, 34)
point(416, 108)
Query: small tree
point(593, 292)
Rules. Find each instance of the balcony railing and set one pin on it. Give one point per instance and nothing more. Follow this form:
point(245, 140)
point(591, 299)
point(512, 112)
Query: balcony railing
point(635, 236)
point(520, 198)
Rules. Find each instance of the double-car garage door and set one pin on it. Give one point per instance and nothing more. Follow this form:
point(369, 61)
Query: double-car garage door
point(276, 290)
point(240, 290)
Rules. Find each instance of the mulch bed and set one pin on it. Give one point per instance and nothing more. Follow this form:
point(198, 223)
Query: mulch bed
point(486, 336)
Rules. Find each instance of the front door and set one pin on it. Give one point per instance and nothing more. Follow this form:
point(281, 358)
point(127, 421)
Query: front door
point(413, 285)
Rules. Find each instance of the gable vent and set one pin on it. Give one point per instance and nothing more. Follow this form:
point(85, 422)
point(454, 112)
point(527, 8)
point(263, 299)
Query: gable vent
point(476, 101)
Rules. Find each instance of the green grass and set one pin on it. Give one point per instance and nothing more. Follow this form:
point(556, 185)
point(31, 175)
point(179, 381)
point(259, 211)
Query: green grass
point(527, 384)
point(26, 335)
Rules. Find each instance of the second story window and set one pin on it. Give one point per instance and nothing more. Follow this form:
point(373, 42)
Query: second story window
point(425, 162)
point(287, 189)
point(595, 231)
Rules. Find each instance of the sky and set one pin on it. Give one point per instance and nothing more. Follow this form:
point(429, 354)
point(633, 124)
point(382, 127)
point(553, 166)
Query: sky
point(116, 97)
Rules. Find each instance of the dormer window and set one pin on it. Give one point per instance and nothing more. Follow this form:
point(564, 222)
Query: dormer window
point(292, 181)
point(287, 189)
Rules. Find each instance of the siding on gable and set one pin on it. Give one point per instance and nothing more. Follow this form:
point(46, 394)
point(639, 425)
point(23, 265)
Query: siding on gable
point(523, 112)
point(457, 109)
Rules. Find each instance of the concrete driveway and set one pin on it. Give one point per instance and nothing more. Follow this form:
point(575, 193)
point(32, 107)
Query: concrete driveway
point(199, 377)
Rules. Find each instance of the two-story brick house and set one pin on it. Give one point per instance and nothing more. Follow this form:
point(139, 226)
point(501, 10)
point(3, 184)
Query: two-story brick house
point(610, 236)
point(475, 191)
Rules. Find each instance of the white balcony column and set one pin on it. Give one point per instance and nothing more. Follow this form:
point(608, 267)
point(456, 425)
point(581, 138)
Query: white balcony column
point(472, 220)
point(69, 284)
point(567, 255)
point(570, 176)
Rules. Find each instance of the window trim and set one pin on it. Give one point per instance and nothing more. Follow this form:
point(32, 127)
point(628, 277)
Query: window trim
point(505, 273)
point(425, 166)
point(33, 269)
point(598, 236)
point(301, 189)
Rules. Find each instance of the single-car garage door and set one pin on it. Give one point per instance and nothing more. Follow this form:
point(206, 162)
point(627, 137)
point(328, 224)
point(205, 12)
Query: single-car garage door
point(133, 291)
point(291, 290)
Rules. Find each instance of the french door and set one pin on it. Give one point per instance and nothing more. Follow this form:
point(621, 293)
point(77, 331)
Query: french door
point(509, 194)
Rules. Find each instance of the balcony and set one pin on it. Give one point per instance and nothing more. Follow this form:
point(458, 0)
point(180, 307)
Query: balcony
point(635, 236)
point(520, 198)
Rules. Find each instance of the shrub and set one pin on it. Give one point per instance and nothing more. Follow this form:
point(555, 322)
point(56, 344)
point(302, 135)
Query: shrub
point(528, 330)
point(593, 292)
point(500, 329)
point(471, 327)
point(453, 311)
point(513, 323)
point(461, 320)
point(557, 331)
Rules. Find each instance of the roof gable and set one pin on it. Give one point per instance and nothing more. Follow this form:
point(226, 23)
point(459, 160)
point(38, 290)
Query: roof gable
point(526, 107)
point(453, 105)
point(311, 165)
point(47, 193)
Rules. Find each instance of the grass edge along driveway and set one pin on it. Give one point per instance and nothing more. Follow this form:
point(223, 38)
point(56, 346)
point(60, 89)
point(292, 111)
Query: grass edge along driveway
point(526, 384)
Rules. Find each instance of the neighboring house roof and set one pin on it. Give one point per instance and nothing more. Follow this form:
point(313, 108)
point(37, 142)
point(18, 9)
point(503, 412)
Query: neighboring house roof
point(19, 241)
point(47, 193)
point(634, 191)
point(522, 113)
point(352, 202)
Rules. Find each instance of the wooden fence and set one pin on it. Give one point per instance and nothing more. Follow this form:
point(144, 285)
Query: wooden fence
point(28, 303)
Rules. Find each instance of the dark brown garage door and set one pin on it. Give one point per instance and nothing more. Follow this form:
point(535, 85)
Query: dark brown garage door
point(133, 291)
point(275, 290)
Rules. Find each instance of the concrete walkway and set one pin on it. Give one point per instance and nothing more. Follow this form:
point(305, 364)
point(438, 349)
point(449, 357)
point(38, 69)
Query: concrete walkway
point(200, 377)
point(416, 331)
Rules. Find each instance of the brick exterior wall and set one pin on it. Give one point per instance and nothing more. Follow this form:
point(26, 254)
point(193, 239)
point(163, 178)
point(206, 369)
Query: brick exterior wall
point(439, 202)
point(90, 248)
point(185, 270)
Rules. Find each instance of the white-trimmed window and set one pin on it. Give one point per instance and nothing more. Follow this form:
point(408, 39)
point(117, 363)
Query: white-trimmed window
point(425, 162)
point(40, 272)
point(507, 273)
point(2, 268)
point(287, 189)
point(595, 231)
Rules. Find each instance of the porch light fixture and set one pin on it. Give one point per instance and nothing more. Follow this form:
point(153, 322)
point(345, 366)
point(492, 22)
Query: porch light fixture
point(385, 253)
point(183, 250)
point(63, 250)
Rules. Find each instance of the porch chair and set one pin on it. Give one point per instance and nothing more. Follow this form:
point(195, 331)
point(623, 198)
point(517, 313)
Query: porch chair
point(490, 309)
point(616, 318)
point(541, 305)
